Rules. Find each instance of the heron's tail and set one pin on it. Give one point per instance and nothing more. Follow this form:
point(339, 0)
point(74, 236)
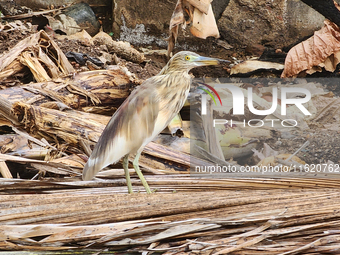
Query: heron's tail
point(97, 161)
point(91, 168)
point(104, 154)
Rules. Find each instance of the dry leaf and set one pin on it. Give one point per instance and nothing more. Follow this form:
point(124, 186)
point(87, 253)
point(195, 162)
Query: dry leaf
point(321, 50)
point(204, 25)
point(177, 19)
point(254, 65)
point(201, 5)
point(201, 17)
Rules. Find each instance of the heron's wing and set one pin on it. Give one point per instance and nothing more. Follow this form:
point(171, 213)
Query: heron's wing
point(131, 125)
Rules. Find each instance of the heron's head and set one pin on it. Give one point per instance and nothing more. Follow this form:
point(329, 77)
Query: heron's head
point(186, 60)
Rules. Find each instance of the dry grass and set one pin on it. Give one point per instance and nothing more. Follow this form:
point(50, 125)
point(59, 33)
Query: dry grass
point(213, 216)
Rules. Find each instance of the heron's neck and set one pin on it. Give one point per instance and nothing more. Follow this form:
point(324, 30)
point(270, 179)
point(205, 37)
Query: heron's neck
point(172, 70)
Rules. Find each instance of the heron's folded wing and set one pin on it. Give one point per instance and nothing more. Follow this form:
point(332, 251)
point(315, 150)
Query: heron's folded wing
point(131, 125)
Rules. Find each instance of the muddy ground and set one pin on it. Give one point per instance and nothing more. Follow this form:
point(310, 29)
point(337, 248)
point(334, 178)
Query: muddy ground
point(325, 144)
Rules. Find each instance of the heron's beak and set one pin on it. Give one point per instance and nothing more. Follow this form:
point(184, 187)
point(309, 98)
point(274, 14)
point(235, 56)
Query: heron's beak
point(204, 61)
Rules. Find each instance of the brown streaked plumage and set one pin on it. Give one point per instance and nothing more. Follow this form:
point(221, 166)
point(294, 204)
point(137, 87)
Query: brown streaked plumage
point(144, 114)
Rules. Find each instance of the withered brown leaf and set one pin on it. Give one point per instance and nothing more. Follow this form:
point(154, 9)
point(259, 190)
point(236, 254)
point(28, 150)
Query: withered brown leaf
point(320, 50)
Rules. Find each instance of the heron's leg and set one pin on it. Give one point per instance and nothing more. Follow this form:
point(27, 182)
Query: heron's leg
point(127, 174)
point(140, 174)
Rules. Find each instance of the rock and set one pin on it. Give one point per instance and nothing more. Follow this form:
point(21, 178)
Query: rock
point(140, 23)
point(219, 6)
point(84, 16)
point(255, 49)
point(276, 24)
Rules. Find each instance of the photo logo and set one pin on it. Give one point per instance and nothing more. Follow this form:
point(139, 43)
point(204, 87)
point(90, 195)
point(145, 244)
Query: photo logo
point(204, 97)
point(209, 93)
point(238, 99)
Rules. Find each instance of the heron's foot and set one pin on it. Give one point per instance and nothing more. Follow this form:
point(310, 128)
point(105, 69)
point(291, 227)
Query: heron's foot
point(129, 185)
point(127, 174)
point(141, 177)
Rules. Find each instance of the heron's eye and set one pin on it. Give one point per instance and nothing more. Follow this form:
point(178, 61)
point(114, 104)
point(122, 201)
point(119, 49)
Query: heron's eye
point(187, 58)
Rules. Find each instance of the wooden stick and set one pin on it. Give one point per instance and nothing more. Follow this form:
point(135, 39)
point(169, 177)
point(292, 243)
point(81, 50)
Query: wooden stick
point(4, 170)
point(6, 110)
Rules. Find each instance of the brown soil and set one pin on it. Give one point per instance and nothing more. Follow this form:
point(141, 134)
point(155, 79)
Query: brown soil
point(9, 39)
point(76, 46)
